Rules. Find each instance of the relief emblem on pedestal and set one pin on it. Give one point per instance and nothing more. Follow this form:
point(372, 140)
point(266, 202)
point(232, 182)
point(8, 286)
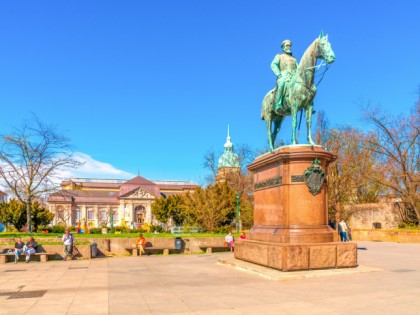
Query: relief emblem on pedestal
point(314, 177)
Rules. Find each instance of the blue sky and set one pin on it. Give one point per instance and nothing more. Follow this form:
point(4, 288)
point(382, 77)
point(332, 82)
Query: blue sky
point(152, 85)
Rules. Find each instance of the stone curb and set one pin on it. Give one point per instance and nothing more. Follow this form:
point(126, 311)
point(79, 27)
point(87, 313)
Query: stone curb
point(276, 275)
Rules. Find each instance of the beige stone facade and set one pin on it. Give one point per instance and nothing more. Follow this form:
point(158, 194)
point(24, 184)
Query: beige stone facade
point(375, 216)
point(3, 196)
point(102, 202)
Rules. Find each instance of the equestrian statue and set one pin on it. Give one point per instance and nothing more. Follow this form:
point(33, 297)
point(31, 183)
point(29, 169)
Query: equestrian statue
point(295, 88)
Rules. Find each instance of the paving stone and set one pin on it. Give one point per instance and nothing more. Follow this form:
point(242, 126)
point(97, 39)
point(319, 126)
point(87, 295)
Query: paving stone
point(386, 282)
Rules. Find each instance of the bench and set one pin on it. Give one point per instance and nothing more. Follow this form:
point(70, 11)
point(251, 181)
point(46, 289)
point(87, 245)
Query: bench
point(209, 248)
point(135, 251)
point(43, 257)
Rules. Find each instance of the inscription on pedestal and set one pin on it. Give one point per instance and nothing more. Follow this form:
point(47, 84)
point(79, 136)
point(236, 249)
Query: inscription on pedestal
point(274, 181)
point(298, 179)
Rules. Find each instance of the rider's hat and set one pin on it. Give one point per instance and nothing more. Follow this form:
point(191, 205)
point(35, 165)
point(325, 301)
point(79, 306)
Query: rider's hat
point(287, 41)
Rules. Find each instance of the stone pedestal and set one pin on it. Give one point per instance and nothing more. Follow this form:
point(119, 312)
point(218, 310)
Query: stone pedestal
point(290, 229)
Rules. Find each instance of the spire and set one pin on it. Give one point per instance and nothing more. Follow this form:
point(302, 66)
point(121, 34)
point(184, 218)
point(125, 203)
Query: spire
point(228, 145)
point(228, 158)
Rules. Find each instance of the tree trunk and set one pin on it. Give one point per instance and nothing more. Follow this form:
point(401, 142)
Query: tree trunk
point(28, 215)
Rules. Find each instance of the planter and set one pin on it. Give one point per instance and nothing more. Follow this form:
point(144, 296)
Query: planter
point(105, 230)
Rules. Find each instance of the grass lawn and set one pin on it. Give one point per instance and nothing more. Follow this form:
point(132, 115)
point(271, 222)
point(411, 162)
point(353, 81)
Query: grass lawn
point(127, 235)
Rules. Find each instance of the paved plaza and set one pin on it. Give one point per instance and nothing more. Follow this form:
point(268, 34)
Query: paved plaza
point(388, 282)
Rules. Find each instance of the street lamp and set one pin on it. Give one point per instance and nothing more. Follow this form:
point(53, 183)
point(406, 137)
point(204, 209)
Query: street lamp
point(237, 213)
point(112, 218)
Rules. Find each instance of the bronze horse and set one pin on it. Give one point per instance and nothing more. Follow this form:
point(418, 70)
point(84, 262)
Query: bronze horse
point(299, 92)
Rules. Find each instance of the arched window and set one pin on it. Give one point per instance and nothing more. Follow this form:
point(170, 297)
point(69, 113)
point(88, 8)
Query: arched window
point(75, 217)
point(60, 214)
point(140, 214)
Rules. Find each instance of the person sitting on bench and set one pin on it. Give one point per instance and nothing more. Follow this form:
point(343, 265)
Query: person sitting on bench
point(141, 244)
point(18, 248)
point(30, 248)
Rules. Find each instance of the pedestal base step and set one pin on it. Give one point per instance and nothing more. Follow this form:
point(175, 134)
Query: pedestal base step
point(291, 257)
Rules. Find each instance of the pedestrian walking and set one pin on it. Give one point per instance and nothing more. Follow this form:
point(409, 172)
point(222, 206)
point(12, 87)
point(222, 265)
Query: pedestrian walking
point(68, 243)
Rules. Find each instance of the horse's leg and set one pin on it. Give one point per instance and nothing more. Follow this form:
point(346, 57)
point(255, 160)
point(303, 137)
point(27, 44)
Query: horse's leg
point(293, 113)
point(308, 115)
point(266, 115)
point(269, 133)
point(277, 125)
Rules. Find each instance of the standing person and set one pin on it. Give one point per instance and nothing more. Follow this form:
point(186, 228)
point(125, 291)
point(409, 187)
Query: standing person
point(284, 66)
point(30, 248)
point(18, 248)
point(342, 229)
point(68, 242)
point(229, 240)
point(141, 244)
point(349, 238)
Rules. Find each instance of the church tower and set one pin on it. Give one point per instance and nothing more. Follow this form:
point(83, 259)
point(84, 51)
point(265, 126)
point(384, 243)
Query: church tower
point(228, 162)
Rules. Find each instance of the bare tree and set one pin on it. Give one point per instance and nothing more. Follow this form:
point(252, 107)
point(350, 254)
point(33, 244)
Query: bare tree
point(321, 130)
point(349, 176)
point(31, 158)
point(210, 163)
point(397, 143)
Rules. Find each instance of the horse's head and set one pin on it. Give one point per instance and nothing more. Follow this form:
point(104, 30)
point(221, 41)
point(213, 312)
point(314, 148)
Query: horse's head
point(324, 49)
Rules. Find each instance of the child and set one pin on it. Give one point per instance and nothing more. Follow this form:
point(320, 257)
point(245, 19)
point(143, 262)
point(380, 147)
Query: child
point(229, 240)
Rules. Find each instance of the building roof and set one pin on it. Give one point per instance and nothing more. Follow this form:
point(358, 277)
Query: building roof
point(85, 190)
point(84, 196)
point(2, 194)
point(136, 183)
point(89, 183)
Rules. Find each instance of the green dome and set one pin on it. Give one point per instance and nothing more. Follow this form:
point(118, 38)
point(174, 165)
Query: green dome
point(228, 158)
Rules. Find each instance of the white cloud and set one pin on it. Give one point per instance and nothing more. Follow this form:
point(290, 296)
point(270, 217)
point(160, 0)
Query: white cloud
point(92, 168)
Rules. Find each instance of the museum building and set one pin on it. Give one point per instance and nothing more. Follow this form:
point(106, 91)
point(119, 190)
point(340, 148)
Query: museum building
point(106, 202)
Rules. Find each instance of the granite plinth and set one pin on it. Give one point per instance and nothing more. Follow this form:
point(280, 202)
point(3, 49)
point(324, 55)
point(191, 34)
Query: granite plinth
point(303, 256)
point(285, 210)
point(290, 229)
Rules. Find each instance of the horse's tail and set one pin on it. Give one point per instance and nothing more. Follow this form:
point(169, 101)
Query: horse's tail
point(267, 104)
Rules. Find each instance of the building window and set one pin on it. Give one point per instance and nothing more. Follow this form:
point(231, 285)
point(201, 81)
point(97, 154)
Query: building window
point(115, 215)
point(77, 213)
point(61, 215)
point(377, 225)
point(90, 214)
point(103, 214)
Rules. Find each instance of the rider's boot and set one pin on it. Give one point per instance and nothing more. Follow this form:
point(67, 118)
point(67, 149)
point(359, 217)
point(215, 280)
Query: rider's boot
point(278, 105)
point(279, 98)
